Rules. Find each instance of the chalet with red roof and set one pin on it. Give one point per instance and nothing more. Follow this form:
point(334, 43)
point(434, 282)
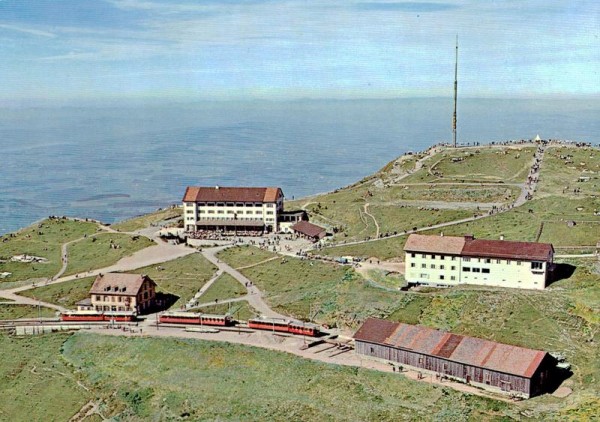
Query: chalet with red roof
point(486, 364)
point(451, 260)
point(121, 292)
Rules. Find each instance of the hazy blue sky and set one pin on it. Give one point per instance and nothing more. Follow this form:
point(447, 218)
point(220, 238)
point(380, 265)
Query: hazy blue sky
point(210, 49)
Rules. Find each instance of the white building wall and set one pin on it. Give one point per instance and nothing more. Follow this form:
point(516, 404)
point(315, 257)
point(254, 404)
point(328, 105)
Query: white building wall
point(439, 269)
point(266, 212)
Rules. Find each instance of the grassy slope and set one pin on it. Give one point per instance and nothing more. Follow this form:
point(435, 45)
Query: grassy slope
point(182, 277)
point(10, 311)
point(64, 294)
point(208, 381)
point(37, 383)
point(143, 221)
point(44, 240)
point(96, 252)
point(225, 287)
point(241, 256)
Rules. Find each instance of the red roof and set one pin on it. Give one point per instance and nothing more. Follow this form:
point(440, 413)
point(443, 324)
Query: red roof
point(453, 347)
point(308, 229)
point(434, 244)
point(375, 330)
point(508, 249)
point(121, 284)
point(231, 194)
point(467, 246)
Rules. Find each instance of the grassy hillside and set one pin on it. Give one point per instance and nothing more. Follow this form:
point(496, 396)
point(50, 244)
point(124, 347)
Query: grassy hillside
point(170, 215)
point(182, 277)
point(43, 240)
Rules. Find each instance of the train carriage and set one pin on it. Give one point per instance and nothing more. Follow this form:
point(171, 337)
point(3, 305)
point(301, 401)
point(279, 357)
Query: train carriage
point(98, 316)
point(285, 326)
point(195, 318)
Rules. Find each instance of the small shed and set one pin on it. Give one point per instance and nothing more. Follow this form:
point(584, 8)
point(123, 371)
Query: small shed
point(309, 230)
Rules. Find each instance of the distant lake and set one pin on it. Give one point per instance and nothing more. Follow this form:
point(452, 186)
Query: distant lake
point(118, 161)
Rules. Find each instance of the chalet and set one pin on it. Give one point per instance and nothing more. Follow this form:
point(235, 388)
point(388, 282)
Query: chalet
point(120, 292)
point(309, 230)
point(451, 260)
point(250, 209)
point(486, 364)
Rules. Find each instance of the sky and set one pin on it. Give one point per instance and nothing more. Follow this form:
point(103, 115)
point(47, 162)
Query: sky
point(295, 49)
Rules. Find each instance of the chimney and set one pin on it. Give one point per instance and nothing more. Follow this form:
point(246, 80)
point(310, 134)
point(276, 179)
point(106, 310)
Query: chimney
point(501, 237)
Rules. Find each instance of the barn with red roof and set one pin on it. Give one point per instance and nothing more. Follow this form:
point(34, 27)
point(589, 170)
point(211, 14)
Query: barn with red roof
point(499, 367)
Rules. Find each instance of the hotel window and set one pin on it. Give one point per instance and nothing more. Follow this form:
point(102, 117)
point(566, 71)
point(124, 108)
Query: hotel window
point(441, 267)
point(441, 277)
point(249, 212)
point(488, 261)
point(259, 211)
point(423, 265)
point(476, 270)
point(270, 205)
point(433, 266)
point(211, 204)
point(452, 277)
point(453, 267)
point(230, 204)
point(412, 255)
point(412, 264)
point(220, 212)
point(423, 256)
point(535, 265)
point(485, 270)
point(98, 298)
point(467, 259)
point(202, 212)
point(239, 204)
point(432, 256)
point(518, 262)
point(453, 258)
point(230, 212)
point(498, 261)
point(467, 269)
point(211, 211)
point(269, 212)
point(189, 211)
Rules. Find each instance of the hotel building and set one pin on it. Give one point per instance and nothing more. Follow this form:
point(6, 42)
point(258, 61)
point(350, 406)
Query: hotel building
point(450, 260)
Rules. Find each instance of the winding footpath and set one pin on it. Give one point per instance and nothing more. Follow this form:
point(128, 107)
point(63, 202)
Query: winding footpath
point(527, 191)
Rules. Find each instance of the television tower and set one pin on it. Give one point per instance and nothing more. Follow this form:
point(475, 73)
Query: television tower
point(455, 95)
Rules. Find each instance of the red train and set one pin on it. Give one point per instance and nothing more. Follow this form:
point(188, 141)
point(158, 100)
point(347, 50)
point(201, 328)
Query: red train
point(99, 316)
point(285, 326)
point(195, 318)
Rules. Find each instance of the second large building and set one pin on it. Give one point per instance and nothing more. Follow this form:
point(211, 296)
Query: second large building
point(451, 260)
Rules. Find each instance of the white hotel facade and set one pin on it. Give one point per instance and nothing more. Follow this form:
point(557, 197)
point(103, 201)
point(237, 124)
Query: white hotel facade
point(232, 208)
point(451, 260)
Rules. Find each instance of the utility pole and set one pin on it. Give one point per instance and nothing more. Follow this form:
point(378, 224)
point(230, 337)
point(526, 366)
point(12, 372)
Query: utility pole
point(455, 95)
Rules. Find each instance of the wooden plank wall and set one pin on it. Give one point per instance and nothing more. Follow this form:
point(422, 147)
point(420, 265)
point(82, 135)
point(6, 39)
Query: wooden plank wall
point(505, 382)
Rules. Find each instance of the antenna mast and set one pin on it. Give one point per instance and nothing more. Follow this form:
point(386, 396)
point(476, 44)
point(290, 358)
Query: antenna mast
point(455, 94)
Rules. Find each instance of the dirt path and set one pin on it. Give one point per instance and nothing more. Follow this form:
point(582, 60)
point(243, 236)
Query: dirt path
point(527, 191)
point(254, 297)
point(366, 210)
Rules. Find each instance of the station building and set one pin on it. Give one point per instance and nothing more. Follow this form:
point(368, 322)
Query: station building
point(120, 292)
point(451, 260)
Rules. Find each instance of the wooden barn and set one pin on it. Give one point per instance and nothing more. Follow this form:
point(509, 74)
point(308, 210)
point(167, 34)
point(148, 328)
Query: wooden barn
point(493, 366)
